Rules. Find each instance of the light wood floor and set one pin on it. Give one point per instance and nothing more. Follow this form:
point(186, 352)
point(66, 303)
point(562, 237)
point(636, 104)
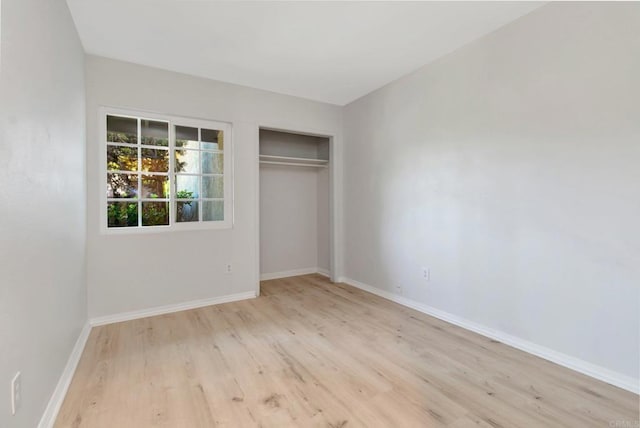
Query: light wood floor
point(313, 354)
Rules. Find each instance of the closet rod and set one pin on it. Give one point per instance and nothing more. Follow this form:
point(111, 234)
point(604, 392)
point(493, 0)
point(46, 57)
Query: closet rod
point(293, 164)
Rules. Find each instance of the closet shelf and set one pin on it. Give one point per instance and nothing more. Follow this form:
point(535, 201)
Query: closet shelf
point(287, 160)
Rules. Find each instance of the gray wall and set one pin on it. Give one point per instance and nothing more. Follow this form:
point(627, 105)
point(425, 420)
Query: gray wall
point(288, 218)
point(42, 212)
point(277, 143)
point(142, 281)
point(511, 168)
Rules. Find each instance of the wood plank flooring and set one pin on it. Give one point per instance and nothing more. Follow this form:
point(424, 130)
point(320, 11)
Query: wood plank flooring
point(308, 353)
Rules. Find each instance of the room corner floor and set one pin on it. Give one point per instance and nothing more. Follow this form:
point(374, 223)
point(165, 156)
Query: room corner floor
point(310, 353)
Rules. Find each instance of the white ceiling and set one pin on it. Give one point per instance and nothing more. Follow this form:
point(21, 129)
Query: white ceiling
point(334, 52)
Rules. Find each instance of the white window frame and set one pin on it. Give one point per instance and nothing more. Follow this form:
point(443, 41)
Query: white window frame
point(173, 226)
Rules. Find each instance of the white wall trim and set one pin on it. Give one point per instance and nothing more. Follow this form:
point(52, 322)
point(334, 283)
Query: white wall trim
point(55, 402)
point(167, 309)
point(288, 273)
point(597, 372)
point(324, 272)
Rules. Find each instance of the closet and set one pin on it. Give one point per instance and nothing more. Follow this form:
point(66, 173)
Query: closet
point(294, 204)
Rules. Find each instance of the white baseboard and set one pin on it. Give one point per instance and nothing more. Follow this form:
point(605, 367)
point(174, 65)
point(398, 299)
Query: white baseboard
point(323, 272)
point(614, 378)
point(51, 412)
point(167, 309)
point(288, 273)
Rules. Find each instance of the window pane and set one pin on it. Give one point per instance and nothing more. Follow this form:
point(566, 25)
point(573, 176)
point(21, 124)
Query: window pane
point(122, 129)
point(155, 186)
point(155, 160)
point(187, 137)
point(212, 163)
point(155, 213)
point(186, 211)
point(122, 214)
point(154, 133)
point(212, 187)
point(187, 161)
point(213, 210)
point(122, 185)
point(187, 187)
point(212, 139)
point(186, 133)
point(187, 144)
point(122, 158)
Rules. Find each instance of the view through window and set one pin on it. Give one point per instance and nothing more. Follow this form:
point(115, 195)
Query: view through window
point(164, 172)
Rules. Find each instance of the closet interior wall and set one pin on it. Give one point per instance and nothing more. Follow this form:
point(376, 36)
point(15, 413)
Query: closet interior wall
point(294, 204)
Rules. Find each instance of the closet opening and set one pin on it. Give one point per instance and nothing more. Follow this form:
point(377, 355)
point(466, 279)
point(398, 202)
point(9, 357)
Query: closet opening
point(295, 204)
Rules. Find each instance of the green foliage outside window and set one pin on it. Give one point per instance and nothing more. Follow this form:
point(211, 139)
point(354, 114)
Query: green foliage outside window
point(122, 214)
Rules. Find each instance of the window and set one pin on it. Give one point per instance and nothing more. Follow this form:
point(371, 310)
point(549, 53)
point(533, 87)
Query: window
point(165, 173)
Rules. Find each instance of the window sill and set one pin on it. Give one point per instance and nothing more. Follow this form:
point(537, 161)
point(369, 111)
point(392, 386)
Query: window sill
point(144, 230)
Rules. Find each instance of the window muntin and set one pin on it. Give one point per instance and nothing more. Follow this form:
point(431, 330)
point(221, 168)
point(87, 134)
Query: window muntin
point(164, 173)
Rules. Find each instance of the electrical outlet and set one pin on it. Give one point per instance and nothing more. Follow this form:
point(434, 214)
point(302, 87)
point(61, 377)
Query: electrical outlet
point(426, 273)
point(16, 393)
point(399, 289)
point(228, 268)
